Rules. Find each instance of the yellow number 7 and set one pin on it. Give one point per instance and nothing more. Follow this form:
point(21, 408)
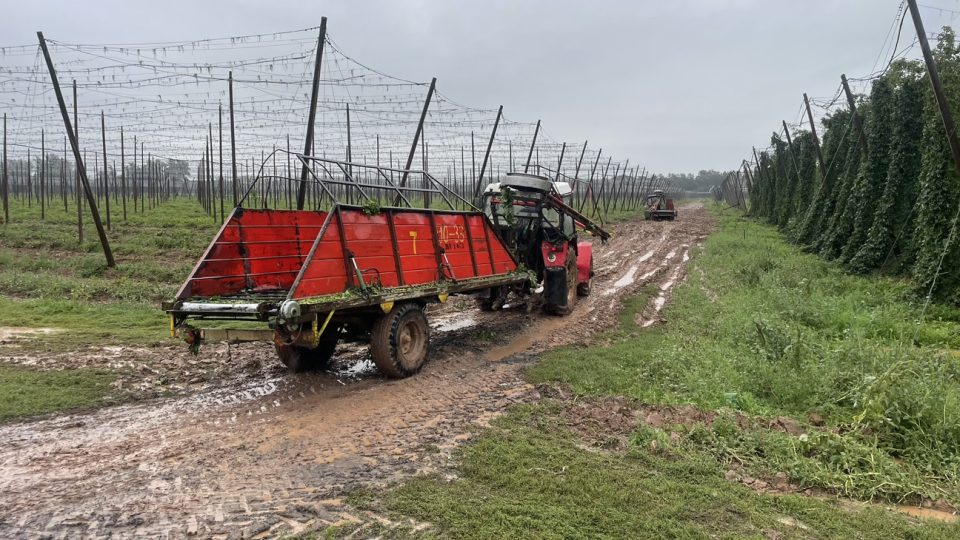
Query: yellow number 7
point(413, 234)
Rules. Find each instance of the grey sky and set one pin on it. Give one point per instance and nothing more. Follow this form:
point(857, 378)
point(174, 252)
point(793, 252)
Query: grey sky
point(675, 86)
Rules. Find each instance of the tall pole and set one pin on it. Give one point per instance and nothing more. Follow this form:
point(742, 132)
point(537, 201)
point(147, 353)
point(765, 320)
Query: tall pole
point(220, 161)
point(589, 191)
point(6, 203)
point(76, 169)
point(312, 117)
point(106, 178)
point(416, 137)
point(942, 103)
point(486, 155)
point(576, 173)
point(563, 150)
point(349, 150)
point(473, 160)
point(793, 154)
point(233, 145)
point(123, 176)
point(816, 140)
point(43, 174)
point(76, 153)
point(533, 145)
point(857, 120)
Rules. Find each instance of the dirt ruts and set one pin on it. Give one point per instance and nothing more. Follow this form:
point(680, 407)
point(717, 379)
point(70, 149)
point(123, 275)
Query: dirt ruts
point(254, 452)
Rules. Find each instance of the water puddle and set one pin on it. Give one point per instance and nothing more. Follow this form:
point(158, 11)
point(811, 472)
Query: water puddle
point(926, 513)
point(627, 279)
point(646, 257)
point(363, 368)
point(454, 324)
point(649, 274)
point(11, 333)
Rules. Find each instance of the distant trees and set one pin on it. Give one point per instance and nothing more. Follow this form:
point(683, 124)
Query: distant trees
point(700, 182)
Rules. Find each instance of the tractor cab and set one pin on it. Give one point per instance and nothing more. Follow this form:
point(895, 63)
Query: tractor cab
point(521, 209)
point(532, 215)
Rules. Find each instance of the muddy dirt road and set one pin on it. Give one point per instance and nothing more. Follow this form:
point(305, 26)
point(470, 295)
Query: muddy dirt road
point(264, 453)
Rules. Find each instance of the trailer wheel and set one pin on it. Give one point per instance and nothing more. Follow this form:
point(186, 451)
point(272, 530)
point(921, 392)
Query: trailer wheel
point(399, 341)
point(300, 359)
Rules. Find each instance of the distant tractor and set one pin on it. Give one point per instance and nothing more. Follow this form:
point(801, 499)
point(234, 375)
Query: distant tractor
point(531, 214)
point(659, 207)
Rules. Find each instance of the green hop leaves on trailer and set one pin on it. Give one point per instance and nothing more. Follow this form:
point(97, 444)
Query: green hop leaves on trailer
point(371, 207)
point(508, 212)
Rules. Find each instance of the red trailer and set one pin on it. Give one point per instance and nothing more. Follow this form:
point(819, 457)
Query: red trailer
point(311, 278)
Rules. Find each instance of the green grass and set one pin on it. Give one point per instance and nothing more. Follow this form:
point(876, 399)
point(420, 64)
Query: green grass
point(49, 279)
point(758, 330)
point(24, 392)
point(771, 331)
point(527, 477)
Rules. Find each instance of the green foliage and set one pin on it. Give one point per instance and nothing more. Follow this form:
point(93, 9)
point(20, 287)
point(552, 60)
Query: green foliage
point(771, 331)
point(939, 191)
point(371, 207)
point(873, 171)
point(25, 392)
point(836, 145)
point(840, 222)
point(895, 206)
point(891, 208)
point(530, 477)
point(49, 279)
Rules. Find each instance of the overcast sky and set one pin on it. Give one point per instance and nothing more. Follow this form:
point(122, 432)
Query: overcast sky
point(674, 85)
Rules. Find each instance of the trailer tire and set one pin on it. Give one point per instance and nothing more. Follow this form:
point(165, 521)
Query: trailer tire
point(301, 359)
point(399, 341)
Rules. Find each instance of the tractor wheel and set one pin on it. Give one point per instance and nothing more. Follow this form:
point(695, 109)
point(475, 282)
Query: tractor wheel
point(583, 289)
point(571, 288)
point(299, 359)
point(399, 341)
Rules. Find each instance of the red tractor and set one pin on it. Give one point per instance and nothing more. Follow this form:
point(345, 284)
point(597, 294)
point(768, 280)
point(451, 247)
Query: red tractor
point(540, 229)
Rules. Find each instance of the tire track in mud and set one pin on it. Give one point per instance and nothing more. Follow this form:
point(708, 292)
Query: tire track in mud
point(264, 457)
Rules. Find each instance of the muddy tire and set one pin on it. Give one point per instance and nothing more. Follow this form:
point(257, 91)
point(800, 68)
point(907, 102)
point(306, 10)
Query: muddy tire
point(399, 341)
point(584, 289)
point(301, 359)
point(572, 289)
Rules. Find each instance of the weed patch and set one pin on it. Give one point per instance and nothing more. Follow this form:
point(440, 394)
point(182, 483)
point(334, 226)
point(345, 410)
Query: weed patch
point(25, 392)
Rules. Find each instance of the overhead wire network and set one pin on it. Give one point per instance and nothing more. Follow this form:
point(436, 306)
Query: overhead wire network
point(172, 99)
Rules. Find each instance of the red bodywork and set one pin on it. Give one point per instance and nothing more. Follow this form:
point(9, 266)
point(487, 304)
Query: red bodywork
point(584, 258)
point(559, 253)
point(584, 261)
point(305, 253)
